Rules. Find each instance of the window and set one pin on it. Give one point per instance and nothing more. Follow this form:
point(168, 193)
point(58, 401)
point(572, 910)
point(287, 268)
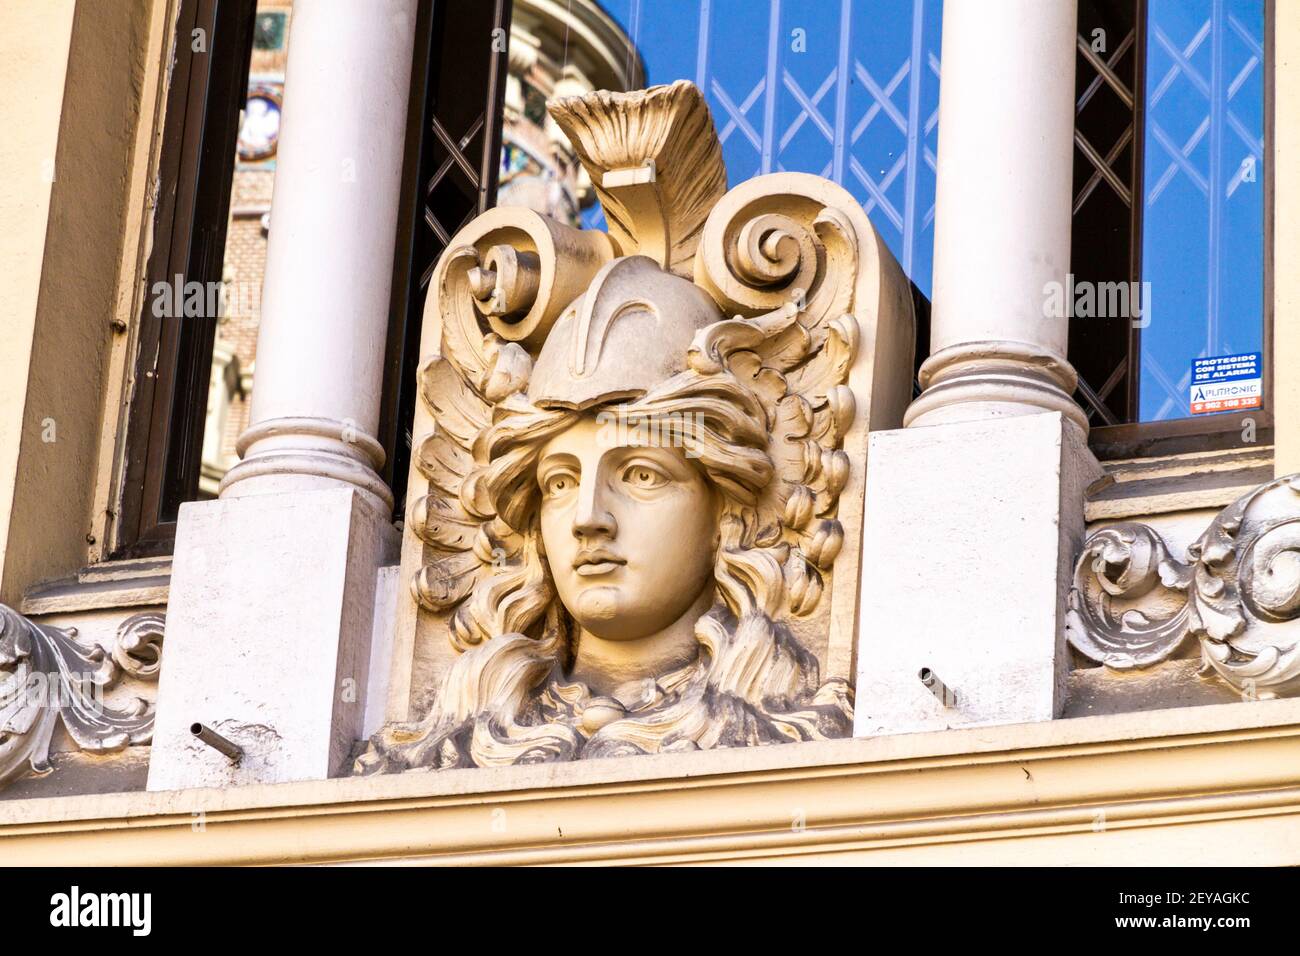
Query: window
point(1169, 177)
point(1170, 189)
point(1170, 201)
point(198, 332)
point(214, 39)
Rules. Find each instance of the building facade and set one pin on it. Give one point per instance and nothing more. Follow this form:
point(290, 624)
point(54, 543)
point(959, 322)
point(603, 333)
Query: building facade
point(866, 434)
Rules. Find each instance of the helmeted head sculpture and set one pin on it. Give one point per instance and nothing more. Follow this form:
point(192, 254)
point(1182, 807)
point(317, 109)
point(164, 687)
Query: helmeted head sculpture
point(631, 494)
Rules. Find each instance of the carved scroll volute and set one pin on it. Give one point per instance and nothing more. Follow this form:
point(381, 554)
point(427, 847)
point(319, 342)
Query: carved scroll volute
point(797, 241)
point(1246, 598)
point(47, 677)
point(1128, 606)
point(1132, 605)
point(513, 270)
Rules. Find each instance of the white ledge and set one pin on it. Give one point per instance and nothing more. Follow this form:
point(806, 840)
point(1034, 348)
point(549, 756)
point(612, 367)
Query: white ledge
point(1220, 778)
point(1149, 486)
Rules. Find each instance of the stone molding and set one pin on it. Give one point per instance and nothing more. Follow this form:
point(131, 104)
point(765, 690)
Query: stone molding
point(47, 677)
point(341, 454)
point(1133, 604)
point(127, 583)
point(1164, 484)
point(1215, 783)
point(1003, 377)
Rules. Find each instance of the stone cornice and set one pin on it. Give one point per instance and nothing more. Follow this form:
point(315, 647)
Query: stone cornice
point(1221, 779)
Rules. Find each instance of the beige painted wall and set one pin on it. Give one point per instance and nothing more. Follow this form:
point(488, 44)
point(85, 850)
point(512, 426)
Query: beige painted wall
point(35, 40)
point(1286, 236)
point(71, 83)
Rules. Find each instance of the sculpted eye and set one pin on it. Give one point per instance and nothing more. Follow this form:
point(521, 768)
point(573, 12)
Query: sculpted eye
point(558, 483)
point(645, 477)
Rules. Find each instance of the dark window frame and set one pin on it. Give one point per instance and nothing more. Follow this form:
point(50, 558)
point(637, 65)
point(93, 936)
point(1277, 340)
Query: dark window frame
point(174, 354)
point(1219, 432)
point(449, 176)
point(1107, 214)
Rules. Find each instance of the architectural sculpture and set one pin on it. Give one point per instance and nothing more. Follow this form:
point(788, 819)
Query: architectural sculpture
point(1133, 604)
point(644, 465)
point(47, 677)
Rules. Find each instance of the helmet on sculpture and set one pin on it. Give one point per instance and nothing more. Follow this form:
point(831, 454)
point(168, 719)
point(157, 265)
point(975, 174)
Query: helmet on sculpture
point(630, 331)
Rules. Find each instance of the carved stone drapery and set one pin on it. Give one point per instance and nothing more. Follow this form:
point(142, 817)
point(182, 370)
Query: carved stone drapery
point(761, 331)
point(1133, 604)
point(47, 676)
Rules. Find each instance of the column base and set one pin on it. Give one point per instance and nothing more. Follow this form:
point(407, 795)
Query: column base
point(291, 454)
point(978, 381)
point(269, 636)
point(970, 536)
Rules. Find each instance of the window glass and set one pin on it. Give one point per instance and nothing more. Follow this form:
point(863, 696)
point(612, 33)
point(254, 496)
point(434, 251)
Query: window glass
point(1203, 216)
point(846, 90)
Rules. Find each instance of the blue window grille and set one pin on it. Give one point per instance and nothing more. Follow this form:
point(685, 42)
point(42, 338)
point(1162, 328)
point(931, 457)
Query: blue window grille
point(847, 90)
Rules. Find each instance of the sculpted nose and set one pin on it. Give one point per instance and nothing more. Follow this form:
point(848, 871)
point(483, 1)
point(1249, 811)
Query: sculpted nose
point(591, 517)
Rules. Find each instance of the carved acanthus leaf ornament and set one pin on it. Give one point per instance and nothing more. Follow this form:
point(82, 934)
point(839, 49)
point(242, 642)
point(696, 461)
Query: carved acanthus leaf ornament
point(726, 325)
point(1238, 594)
point(47, 676)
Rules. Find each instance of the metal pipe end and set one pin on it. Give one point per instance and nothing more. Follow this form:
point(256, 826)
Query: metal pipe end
point(942, 692)
point(228, 748)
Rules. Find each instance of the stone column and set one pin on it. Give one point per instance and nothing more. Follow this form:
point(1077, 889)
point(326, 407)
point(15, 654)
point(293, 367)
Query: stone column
point(975, 509)
point(272, 606)
point(1003, 195)
point(320, 346)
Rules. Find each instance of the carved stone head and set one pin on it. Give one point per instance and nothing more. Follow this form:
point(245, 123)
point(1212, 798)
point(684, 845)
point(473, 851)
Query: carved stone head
point(632, 514)
point(627, 513)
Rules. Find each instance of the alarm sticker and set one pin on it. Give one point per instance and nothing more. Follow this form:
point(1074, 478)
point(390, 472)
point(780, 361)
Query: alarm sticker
point(1226, 383)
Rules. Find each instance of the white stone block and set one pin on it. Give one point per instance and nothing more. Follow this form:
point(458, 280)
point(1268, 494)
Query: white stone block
point(269, 634)
point(387, 591)
point(970, 536)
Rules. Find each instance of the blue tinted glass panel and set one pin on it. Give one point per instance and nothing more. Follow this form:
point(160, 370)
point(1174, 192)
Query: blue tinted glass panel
point(846, 90)
point(1202, 244)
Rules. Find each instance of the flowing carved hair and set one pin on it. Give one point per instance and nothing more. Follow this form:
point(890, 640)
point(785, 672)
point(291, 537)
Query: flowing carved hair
point(505, 700)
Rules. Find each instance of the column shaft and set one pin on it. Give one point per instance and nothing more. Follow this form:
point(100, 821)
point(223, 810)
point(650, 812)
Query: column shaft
point(271, 616)
point(1003, 213)
point(980, 514)
point(320, 346)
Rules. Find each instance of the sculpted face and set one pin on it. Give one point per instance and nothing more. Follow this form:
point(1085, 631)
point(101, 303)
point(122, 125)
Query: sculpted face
point(629, 530)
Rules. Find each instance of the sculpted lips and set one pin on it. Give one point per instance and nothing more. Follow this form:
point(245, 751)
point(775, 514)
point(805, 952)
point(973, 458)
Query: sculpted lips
point(596, 562)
